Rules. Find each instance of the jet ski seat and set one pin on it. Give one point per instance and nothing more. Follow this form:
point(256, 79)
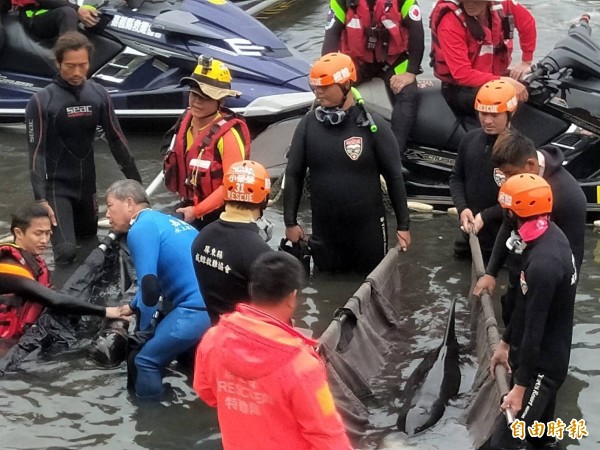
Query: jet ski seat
point(27, 54)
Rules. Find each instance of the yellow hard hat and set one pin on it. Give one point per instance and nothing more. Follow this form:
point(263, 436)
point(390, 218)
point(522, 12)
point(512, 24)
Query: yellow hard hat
point(211, 78)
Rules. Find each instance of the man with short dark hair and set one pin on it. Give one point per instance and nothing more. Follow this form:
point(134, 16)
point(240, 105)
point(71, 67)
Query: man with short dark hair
point(225, 249)
point(25, 279)
point(61, 122)
point(515, 154)
point(265, 379)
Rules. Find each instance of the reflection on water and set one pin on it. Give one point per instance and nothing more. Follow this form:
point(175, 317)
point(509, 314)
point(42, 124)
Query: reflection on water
point(67, 401)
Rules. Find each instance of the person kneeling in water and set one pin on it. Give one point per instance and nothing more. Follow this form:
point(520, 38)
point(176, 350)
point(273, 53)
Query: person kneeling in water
point(25, 287)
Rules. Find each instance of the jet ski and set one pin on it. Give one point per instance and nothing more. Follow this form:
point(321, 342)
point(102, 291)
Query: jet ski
point(563, 110)
point(143, 48)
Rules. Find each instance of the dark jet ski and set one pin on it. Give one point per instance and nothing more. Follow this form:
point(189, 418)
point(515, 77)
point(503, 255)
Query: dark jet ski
point(563, 110)
point(144, 48)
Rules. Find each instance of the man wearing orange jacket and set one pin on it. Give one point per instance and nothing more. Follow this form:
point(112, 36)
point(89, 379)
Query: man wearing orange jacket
point(472, 43)
point(265, 379)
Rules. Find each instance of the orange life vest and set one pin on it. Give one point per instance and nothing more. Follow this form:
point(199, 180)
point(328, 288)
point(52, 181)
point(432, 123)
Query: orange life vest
point(16, 313)
point(374, 35)
point(489, 49)
point(197, 172)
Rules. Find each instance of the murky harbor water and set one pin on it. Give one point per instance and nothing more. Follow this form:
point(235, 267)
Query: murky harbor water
point(67, 402)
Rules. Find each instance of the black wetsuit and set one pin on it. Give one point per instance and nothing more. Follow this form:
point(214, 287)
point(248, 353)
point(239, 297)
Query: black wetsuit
point(61, 125)
point(541, 327)
point(50, 18)
point(472, 185)
point(34, 291)
point(568, 212)
point(404, 112)
point(225, 283)
point(348, 214)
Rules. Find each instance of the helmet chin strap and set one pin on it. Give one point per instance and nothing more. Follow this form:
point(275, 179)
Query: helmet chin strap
point(345, 90)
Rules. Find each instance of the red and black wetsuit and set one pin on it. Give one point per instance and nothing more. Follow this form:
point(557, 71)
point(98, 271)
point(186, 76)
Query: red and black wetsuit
point(348, 214)
point(223, 253)
point(48, 19)
point(61, 122)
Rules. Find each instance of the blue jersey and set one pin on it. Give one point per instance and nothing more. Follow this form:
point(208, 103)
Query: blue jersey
point(161, 245)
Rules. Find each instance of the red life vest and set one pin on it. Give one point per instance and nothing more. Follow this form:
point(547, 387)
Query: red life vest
point(196, 173)
point(22, 3)
point(489, 49)
point(15, 313)
point(374, 35)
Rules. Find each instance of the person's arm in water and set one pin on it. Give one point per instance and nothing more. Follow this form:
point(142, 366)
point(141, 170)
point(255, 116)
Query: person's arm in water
point(115, 137)
point(390, 165)
point(34, 291)
point(295, 172)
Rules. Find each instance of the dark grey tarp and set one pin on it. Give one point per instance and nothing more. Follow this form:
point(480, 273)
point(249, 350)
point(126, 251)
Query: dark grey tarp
point(355, 348)
point(95, 280)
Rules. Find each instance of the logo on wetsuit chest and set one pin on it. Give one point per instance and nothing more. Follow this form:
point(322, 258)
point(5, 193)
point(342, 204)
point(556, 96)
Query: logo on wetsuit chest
point(523, 283)
point(79, 111)
point(353, 147)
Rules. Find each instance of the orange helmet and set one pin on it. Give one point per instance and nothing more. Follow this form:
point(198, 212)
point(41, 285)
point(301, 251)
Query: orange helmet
point(526, 195)
point(246, 181)
point(332, 68)
point(496, 96)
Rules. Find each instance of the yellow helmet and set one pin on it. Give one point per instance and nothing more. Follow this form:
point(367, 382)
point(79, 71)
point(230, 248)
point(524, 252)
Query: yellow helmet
point(210, 78)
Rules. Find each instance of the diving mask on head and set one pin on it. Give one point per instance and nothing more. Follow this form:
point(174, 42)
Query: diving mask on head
point(333, 116)
point(265, 228)
point(515, 243)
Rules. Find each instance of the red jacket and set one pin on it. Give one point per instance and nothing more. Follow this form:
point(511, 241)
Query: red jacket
point(268, 384)
point(472, 62)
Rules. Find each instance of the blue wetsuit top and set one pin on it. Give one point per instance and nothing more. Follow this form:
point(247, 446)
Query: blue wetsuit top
point(161, 245)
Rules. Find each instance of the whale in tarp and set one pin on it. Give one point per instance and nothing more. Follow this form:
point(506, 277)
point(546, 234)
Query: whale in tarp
point(435, 381)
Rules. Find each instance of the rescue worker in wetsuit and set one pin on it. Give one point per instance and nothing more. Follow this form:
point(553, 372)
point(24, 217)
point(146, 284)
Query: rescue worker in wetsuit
point(385, 39)
point(266, 380)
point(536, 344)
point(226, 248)
point(345, 158)
point(473, 185)
point(61, 122)
point(472, 43)
point(25, 287)
point(515, 154)
point(51, 18)
point(204, 142)
point(160, 247)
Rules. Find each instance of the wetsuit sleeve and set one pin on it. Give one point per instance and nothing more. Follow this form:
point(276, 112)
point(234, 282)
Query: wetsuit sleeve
point(115, 137)
point(499, 252)
point(525, 25)
point(295, 171)
point(143, 241)
point(35, 122)
point(492, 213)
point(233, 151)
point(542, 279)
point(390, 165)
point(457, 177)
point(336, 19)
point(452, 36)
point(53, 4)
point(416, 38)
point(314, 408)
point(34, 291)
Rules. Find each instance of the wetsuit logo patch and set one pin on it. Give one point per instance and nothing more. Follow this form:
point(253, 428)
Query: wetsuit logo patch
point(499, 177)
point(353, 147)
point(523, 283)
point(79, 111)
